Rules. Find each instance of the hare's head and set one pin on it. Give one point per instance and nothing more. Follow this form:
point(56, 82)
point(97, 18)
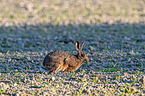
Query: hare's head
point(82, 56)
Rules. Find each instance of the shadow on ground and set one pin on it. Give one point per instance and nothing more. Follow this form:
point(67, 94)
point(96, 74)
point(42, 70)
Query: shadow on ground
point(110, 47)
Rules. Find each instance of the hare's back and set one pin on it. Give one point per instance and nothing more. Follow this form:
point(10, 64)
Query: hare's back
point(54, 58)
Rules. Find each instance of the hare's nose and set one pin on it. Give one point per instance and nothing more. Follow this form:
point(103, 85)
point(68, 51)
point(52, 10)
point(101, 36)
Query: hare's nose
point(87, 60)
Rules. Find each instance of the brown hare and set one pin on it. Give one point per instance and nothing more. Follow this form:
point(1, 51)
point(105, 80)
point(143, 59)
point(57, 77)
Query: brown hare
point(61, 60)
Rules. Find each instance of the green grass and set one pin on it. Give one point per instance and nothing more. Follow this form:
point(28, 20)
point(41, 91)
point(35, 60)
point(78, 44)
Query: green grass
point(113, 32)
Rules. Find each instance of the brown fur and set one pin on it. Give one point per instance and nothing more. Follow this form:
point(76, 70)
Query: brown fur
point(61, 60)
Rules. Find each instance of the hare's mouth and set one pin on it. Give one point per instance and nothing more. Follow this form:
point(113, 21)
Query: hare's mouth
point(86, 61)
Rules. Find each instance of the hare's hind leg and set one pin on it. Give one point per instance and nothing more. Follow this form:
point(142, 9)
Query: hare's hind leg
point(59, 67)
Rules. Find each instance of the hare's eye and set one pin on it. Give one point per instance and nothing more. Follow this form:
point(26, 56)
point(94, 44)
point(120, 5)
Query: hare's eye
point(82, 55)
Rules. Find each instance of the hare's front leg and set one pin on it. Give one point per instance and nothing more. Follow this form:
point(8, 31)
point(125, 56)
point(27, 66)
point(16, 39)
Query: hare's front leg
point(68, 69)
point(65, 65)
point(65, 68)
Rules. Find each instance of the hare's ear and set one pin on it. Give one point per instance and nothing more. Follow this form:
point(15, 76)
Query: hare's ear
point(81, 45)
point(77, 45)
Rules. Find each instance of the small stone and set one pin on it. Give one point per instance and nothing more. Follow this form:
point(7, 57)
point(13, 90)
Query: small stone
point(131, 52)
point(29, 59)
point(52, 78)
point(15, 84)
point(3, 85)
point(115, 82)
point(1, 54)
point(92, 48)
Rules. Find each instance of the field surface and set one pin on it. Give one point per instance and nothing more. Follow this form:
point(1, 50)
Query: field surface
point(114, 36)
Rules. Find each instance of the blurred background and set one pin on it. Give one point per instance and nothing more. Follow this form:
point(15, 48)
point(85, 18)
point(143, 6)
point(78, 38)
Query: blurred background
point(71, 11)
point(32, 23)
